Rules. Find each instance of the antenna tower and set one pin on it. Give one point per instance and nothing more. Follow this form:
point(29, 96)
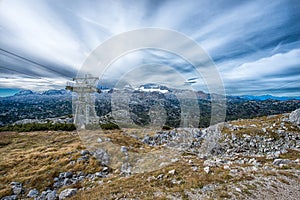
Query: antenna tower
point(84, 100)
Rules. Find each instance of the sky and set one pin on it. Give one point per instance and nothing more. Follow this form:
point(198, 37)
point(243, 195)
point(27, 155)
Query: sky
point(255, 44)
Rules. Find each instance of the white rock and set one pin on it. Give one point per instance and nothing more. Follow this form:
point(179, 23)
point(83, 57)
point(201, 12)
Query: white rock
point(99, 140)
point(226, 167)
point(209, 163)
point(84, 152)
point(33, 193)
point(206, 169)
point(123, 149)
point(99, 174)
point(254, 168)
point(150, 178)
point(195, 168)
point(295, 117)
point(172, 172)
point(176, 182)
point(67, 193)
point(279, 162)
point(160, 177)
point(277, 154)
point(100, 182)
point(163, 164)
point(51, 195)
point(238, 189)
point(252, 161)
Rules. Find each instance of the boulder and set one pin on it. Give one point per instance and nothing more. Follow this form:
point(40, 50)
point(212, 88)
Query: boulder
point(17, 188)
point(295, 117)
point(33, 193)
point(123, 149)
point(172, 172)
point(99, 174)
point(68, 174)
point(47, 195)
point(206, 169)
point(12, 197)
point(281, 161)
point(51, 195)
point(84, 152)
point(102, 156)
point(105, 170)
point(64, 175)
point(67, 193)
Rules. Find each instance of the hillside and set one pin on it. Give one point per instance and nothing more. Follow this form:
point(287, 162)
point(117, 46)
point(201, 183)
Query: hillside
point(242, 159)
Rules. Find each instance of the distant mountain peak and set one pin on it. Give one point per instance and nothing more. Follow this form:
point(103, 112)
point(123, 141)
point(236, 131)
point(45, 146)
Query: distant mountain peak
point(151, 87)
point(55, 92)
point(47, 92)
point(24, 92)
point(267, 97)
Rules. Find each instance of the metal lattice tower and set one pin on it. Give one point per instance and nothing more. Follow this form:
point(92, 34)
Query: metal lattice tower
point(84, 100)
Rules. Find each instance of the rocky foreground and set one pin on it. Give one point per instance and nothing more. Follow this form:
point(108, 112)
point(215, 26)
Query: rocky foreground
point(243, 159)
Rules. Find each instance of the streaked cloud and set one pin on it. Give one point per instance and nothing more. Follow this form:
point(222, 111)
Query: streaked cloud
point(255, 44)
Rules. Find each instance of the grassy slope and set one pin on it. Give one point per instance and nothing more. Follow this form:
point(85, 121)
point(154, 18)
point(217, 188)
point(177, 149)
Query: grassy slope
point(35, 158)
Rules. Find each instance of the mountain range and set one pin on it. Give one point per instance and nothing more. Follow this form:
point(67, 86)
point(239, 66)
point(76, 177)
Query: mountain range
point(147, 87)
point(28, 104)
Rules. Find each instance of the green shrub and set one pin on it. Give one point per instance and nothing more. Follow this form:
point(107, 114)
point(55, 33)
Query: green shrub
point(109, 126)
point(38, 127)
point(166, 128)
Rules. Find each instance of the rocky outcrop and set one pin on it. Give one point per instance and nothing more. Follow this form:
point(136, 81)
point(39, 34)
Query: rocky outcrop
point(47, 195)
point(271, 139)
point(64, 179)
point(295, 117)
point(259, 145)
point(12, 197)
point(181, 138)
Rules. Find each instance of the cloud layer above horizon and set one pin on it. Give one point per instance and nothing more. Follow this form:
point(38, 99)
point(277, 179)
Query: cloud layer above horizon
point(254, 44)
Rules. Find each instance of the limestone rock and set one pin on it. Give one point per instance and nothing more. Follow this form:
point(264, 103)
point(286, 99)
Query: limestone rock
point(67, 193)
point(17, 188)
point(295, 117)
point(281, 162)
point(12, 197)
point(206, 169)
point(33, 193)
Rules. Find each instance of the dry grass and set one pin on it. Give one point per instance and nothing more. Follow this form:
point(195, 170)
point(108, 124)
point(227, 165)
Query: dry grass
point(140, 186)
point(123, 139)
point(35, 158)
point(291, 154)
